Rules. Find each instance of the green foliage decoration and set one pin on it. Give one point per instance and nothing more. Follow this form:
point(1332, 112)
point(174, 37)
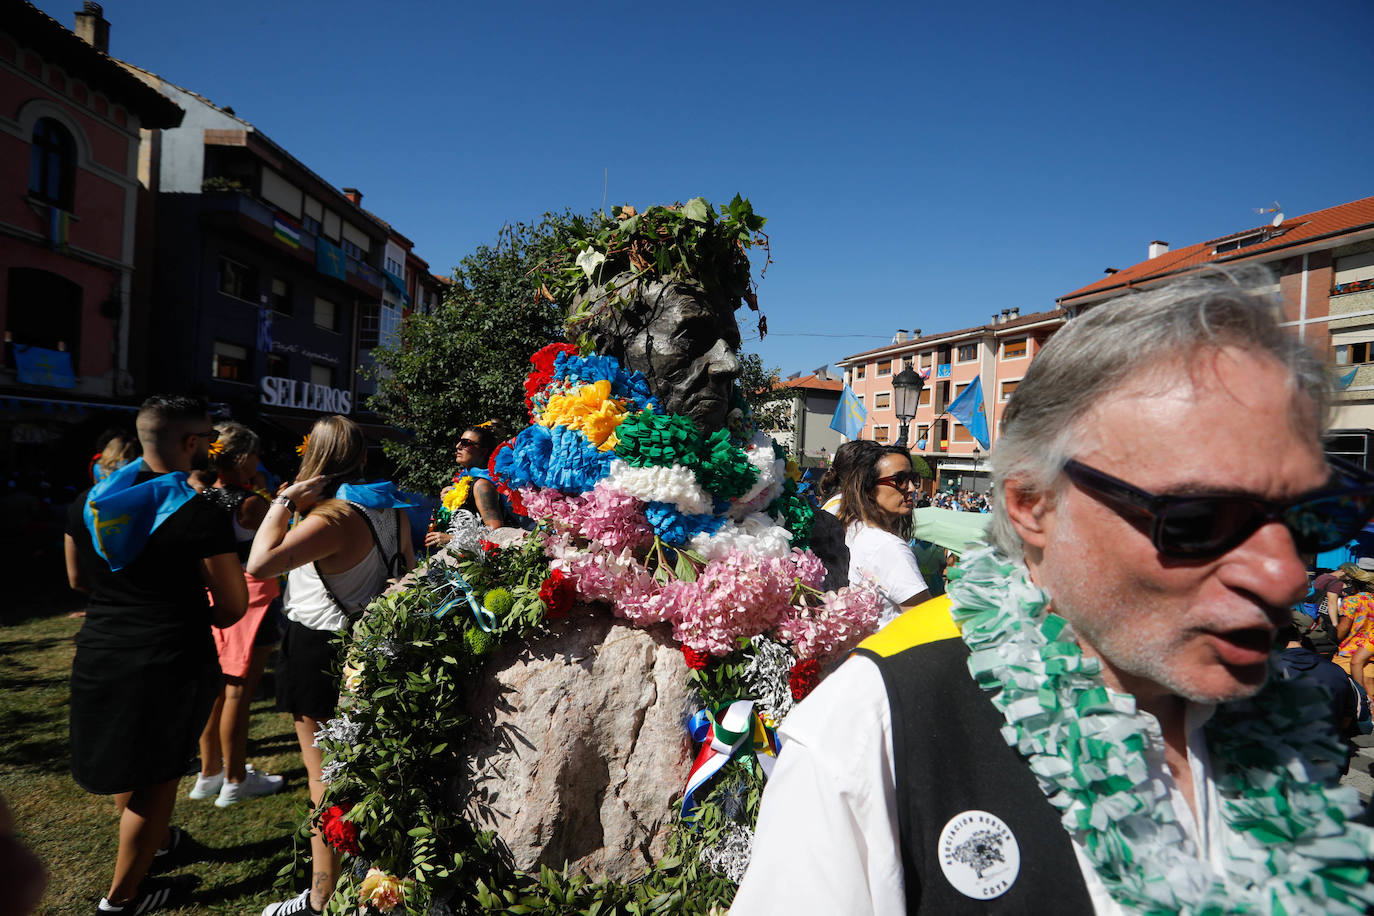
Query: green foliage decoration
point(689, 242)
point(397, 761)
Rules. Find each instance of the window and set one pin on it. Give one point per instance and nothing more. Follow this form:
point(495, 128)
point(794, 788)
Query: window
point(1014, 349)
point(230, 362)
point(394, 266)
point(860, 397)
point(281, 296)
point(326, 313)
point(1008, 388)
point(882, 400)
point(1353, 353)
point(320, 374)
point(353, 251)
point(278, 365)
point(311, 224)
point(959, 389)
point(880, 434)
point(52, 164)
point(44, 311)
point(369, 325)
point(238, 280)
point(884, 368)
point(926, 358)
point(859, 372)
point(967, 352)
point(923, 435)
point(961, 433)
point(925, 397)
point(388, 325)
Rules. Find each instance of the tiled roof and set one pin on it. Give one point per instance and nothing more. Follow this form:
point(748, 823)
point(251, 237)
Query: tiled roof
point(36, 29)
point(1294, 231)
point(814, 383)
point(1010, 324)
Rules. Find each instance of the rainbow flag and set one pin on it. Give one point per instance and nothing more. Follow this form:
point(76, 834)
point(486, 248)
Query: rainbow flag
point(59, 227)
point(286, 231)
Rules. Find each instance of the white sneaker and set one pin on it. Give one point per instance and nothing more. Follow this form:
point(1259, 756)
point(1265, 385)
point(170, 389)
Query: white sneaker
point(207, 786)
point(253, 785)
point(296, 905)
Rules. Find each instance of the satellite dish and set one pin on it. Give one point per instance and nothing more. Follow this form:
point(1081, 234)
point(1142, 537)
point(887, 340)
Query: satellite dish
point(1277, 220)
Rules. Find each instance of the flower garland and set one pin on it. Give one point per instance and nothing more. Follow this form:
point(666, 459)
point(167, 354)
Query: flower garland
point(1290, 842)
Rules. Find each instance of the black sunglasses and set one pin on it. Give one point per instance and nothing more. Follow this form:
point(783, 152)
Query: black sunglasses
point(1203, 527)
point(212, 435)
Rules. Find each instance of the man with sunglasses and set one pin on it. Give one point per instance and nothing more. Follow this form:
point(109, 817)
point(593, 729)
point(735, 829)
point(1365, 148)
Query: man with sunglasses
point(1090, 721)
point(145, 547)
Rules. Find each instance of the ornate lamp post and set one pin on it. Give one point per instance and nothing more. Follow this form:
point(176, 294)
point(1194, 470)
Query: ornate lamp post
point(906, 394)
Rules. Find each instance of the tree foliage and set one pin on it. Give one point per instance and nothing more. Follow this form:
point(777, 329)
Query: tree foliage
point(464, 363)
point(762, 389)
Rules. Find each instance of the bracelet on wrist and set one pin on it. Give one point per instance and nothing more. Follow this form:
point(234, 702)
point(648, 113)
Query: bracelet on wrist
point(285, 501)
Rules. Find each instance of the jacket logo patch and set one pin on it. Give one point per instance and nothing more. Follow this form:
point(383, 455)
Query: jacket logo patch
point(979, 855)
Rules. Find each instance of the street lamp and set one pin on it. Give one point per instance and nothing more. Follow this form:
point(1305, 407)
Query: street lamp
point(906, 394)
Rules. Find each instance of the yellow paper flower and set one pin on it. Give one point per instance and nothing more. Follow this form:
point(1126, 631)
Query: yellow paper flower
point(381, 890)
point(794, 472)
point(216, 448)
point(588, 408)
point(458, 494)
point(305, 443)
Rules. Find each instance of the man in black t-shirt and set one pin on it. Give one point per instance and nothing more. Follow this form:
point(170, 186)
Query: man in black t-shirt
point(145, 672)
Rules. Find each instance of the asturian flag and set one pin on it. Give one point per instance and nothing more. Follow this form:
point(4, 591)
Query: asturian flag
point(969, 409)
point(850, 415)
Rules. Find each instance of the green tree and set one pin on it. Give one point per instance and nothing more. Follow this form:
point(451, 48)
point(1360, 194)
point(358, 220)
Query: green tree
point(762, 389)
point(465, 362)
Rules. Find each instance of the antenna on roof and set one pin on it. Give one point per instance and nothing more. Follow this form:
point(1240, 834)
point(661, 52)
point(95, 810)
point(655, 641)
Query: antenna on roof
point(1274, 209)
point(1277, 220)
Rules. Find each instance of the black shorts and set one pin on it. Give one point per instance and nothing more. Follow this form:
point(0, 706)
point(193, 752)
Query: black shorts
point(307, 672)
point(270, 627)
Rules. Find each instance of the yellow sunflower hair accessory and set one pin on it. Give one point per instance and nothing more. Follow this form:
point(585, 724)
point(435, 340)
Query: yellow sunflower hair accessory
point(305, 444)
point(216, 448)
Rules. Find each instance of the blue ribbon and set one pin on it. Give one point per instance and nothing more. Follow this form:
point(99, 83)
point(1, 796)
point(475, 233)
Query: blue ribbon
point(486, 620)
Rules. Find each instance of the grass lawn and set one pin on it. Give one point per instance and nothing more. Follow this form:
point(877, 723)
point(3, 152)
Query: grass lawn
point(235, 852)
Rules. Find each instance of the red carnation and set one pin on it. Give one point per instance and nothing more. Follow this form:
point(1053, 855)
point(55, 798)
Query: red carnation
point(697, 661)
point(488, 547)
point(340, 833)
point(803, 678)
point(557, 595)
point(516, 503)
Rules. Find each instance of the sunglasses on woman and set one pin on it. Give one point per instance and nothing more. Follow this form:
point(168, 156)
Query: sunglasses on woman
point(1204, 526)
point(899, 481)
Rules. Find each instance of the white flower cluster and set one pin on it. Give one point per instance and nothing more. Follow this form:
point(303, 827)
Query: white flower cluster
point(766, 676)
point(674, 484)
point(340, 729)
point(756, 533)
point(730, 856)
point(468, 531)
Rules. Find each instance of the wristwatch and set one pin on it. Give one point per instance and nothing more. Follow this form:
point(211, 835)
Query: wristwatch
point(285, 501)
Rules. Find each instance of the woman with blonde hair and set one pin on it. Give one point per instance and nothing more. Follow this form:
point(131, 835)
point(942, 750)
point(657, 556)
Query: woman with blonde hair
point(243, 648)
point(349, 539)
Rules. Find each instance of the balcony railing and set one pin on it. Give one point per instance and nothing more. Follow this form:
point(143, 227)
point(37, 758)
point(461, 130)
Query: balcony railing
point(1354, 286)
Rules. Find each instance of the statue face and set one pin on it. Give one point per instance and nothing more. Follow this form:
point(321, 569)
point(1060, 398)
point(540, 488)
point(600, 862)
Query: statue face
point(687, 350)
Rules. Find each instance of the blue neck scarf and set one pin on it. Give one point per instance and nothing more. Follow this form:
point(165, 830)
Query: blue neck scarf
point(382, 494)
point(121, 514)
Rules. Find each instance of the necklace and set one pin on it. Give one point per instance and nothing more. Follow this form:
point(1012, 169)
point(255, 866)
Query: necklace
point(1288, 843)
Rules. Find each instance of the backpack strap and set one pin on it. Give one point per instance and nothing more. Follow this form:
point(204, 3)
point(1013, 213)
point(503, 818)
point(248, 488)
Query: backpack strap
point(393, 564)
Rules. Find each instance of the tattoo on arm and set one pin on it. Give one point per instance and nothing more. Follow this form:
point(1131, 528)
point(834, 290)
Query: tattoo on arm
point(488, 503)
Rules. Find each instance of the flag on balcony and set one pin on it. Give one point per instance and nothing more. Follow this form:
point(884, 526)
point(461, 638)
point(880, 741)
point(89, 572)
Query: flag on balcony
point(40, 366)
point(970, 409)
point(286, 231)
point(850, 415)
point(59, 228)
point(330, 260)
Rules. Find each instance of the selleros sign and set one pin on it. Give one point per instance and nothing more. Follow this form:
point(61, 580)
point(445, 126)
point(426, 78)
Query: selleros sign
point(285, 392)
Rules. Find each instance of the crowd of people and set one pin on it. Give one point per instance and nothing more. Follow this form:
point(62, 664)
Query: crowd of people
point(1121, 619)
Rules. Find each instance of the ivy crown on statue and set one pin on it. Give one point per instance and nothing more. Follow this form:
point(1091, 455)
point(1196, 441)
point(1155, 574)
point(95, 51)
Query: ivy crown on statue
point(684, 340)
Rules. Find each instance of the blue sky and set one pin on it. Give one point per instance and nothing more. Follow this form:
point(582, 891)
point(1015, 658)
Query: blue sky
point(921, 166)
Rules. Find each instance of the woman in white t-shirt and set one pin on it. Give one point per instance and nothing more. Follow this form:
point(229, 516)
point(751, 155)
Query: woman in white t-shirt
point(878, 496)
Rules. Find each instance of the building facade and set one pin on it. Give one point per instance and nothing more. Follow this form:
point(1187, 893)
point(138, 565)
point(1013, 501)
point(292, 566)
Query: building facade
point(70, 122)
point(1323, 272)
point(808, 437)
point(996, 353)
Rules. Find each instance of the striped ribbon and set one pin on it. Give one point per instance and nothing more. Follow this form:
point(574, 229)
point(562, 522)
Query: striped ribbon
point(730, 728)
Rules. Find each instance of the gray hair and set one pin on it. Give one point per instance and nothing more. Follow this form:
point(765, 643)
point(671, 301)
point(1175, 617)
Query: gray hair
point(1096, 354)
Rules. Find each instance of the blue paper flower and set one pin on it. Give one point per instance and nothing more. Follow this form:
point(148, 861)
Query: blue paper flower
point(677, 529)
point(525, 463)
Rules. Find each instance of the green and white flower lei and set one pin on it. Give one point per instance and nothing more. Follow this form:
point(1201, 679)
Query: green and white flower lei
point(1289, 839)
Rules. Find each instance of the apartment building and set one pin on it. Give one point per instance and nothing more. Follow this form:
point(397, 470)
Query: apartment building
point(70, 120)
point(1323, 267)
point(998, 353)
